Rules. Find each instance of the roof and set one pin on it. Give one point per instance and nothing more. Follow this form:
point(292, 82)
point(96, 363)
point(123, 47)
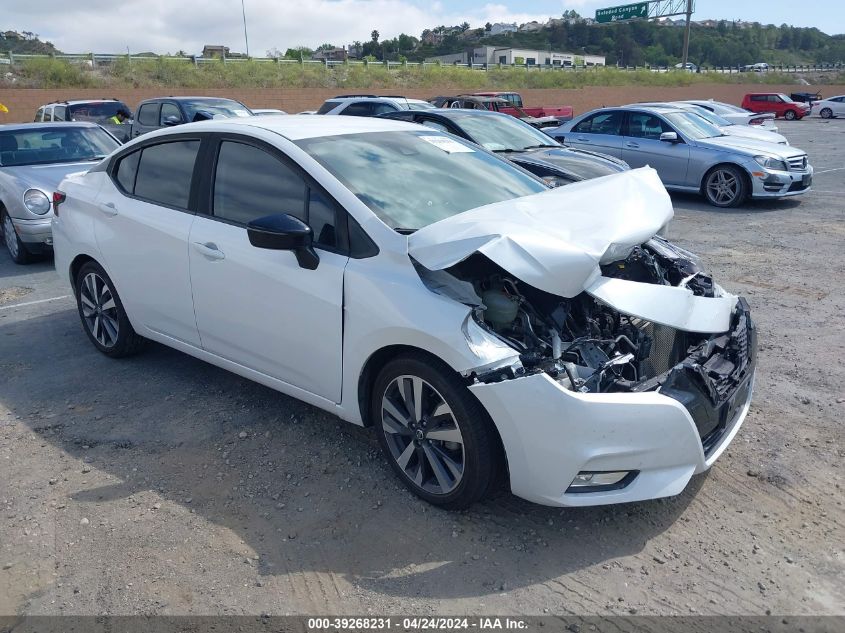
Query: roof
point(49, 126)
point(78, 101)
point(296, 126)
point(189, 98)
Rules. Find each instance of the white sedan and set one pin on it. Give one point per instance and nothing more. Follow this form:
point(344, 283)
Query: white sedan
point(488, 327)
point(829, 108)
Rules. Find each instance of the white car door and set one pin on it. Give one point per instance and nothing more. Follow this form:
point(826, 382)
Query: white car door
point(258, 307)
point(143, 235)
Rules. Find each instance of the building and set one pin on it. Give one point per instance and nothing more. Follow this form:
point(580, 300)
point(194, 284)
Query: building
point(518, 56)
point(530, 27)
point(214, 50)
point(503, 27)
point(331, 55)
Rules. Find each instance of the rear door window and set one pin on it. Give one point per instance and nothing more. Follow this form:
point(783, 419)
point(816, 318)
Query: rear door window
point(601, 123)
point(165, 172)
point(359, 108)
point(148, 114)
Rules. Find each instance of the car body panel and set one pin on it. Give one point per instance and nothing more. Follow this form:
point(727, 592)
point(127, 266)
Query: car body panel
point(553, 240)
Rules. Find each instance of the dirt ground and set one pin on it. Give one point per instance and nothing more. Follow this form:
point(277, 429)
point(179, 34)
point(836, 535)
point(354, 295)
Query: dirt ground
point(163, 485)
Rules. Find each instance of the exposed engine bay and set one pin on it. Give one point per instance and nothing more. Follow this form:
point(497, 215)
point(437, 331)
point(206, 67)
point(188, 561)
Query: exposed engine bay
point(590, 347)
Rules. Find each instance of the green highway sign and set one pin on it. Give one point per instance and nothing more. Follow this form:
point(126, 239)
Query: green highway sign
point(623, 12)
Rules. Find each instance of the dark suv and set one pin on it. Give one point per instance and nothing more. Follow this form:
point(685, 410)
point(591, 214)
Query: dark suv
point(153, 114)
point(98, 111)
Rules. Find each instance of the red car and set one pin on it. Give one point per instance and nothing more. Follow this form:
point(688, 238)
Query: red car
point(776, 102)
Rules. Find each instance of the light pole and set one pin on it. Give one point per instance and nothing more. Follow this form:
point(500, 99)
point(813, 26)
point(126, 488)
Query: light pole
point(246, 37)
point(686, 34)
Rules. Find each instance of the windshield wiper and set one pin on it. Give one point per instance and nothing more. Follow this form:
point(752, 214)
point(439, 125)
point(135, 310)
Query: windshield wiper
point(508, 150)
point(540, 146)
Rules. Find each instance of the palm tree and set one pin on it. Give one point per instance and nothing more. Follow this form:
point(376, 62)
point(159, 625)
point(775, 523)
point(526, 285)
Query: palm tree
point(374, 35)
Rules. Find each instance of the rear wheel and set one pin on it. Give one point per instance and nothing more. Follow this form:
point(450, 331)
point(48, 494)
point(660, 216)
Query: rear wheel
point(17, 249)
point(789, 115)
point(725, 186)
point(826, 113)
point(437, 437)
point(102, 313)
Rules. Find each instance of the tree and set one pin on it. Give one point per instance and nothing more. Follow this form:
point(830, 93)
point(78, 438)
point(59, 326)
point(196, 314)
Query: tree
point(488, 27)
point(464, 27)
point(325, 47)
point(374, 35)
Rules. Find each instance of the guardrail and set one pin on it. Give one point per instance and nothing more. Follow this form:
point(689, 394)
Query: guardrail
point(96, 60)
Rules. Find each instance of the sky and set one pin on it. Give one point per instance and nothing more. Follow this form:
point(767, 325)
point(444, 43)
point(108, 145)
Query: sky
point(164, 26)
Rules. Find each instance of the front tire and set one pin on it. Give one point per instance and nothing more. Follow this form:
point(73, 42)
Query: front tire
point(826, 113)
point(102, 314)
point(17, 249)
point(725, 186)
point(437, 437)
point(789, 115)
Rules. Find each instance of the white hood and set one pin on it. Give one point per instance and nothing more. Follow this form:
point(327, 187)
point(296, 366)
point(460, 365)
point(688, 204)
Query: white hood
point(553, 240)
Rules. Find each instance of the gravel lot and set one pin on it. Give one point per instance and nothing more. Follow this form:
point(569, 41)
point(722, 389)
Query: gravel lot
point(163, 485)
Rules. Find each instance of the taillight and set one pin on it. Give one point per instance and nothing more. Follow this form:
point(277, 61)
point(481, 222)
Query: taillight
point(756, 122)
point(58, 198)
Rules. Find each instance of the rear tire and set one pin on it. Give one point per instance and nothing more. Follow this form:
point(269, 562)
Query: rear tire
point(17, 250)
point(826, 113)
point(789, 115)
point(725, 186)
point(102, 314)
point(436, 436)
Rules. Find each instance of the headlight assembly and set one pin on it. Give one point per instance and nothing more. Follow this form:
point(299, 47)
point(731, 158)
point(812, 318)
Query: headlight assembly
point(771, 163)
point(36, 201)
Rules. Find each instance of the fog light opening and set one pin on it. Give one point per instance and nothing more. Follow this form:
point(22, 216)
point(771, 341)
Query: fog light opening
point(600, 481)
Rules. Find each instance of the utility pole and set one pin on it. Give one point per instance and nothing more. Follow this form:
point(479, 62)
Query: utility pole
point(686, 34)
point(246, 38)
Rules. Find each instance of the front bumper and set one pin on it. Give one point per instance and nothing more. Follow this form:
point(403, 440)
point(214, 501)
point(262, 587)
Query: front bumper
point(35, 232)
point(667, 435)
point(780, 184)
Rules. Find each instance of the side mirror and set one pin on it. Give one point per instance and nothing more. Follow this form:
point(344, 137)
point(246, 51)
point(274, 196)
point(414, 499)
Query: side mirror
point(202, 115)
point(669, 137)
point(284, 232)
point(171, 120)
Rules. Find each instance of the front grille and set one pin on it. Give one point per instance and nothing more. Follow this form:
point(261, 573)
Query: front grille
point(797, 186)
point(798, 163)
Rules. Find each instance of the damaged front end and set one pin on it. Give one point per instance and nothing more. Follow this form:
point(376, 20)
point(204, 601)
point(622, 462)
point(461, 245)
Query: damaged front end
point(592, 343)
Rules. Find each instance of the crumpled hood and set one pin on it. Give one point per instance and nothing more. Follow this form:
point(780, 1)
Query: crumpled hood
point(554, 240)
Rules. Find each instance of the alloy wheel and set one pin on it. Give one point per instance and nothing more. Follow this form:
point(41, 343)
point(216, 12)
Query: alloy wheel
point(10, 236)
point(423, 435)
point(826, 113)
point(723, 187)
point(99, 309)
point(789, 115)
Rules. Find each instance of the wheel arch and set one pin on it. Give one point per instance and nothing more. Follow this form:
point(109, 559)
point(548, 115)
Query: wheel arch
point(76, 265)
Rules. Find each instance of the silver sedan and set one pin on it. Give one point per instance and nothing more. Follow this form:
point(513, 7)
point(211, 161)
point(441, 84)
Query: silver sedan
point(690, 154)
point(34, 159)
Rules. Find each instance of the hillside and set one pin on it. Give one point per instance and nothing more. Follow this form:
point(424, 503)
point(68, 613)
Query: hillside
point(24, 43)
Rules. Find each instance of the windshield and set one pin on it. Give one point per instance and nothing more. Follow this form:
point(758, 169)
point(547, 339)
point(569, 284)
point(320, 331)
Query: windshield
point(413, 179)
point(711, 117)
point(502, 133)
point(94, 112)
point(785, 98)
point(727, 108)
point(692, 125)
point(54, 144)
point(222, 108)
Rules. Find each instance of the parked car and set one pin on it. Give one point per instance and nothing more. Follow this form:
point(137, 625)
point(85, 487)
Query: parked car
point(482, 323)
point(689, 67)
point(727, 127)
point(692, 155)
point(806, 97)
point(830, 107)
point(759, 67)
point(34, 157)
point(737, 115)
point(519, 110)
point(153, 114)
point(370, 105)
point(99, 111)
point(777, 103)
point(267, 111)
point(494, 104)
point(518, 142)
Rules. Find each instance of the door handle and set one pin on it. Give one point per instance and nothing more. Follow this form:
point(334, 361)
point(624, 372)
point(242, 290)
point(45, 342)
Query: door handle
point(137, 133)
point(582, 139)
point(108, 208)
point(209, 250)
point(633, 145)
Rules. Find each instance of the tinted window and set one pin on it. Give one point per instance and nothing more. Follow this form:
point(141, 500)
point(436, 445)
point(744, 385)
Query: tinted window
point(601, 123)
point(321, 218)
point(249, 183)
point(165, 171)
point(328, 106)
point(359, 108)
point(214, 108)
point(169, 109)
point(759, 98)
point(97, 111)
point(148, 114)
point(381, 108)
point(126, 170)
point(643, 125)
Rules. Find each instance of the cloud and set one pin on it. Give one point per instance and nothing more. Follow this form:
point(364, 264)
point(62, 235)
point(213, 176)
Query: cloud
point(164, 26)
